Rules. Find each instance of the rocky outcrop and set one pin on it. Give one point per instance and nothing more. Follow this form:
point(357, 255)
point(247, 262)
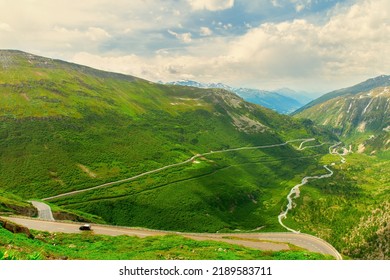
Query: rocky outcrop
point(15, 228)
point(65, 216)
point(29, 211)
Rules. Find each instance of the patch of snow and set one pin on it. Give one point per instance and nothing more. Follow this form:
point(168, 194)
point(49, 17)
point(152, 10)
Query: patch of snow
point(339, 119)
point(349, 108)
point(365, 109)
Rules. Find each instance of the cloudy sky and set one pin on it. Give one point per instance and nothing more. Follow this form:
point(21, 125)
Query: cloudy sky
point(312, 45)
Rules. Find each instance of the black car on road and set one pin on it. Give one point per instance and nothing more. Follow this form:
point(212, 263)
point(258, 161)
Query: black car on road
point(85, 227)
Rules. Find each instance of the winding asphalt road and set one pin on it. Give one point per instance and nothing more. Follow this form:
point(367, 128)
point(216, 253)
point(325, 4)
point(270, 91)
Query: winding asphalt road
point(173, 165)
point(272, 241)
point(44, 210)
point(262, 241)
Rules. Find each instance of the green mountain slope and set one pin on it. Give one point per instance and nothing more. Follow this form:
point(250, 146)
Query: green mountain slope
point(351, 211)
point(10, 203)
point(362, 118)
point(370, 84)
point(67, 127)
point(363, 112)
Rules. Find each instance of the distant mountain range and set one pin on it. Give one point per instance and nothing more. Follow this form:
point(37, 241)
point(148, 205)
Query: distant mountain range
point(283, 100)
point(303, 97)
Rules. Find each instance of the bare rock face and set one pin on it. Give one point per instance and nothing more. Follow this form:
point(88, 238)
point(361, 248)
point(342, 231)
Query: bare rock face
point(15, 228)
point(348, 114)
point(29, 211)
point(64, 216)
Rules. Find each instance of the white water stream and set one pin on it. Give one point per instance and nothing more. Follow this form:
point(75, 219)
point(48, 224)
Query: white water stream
point(295, 191)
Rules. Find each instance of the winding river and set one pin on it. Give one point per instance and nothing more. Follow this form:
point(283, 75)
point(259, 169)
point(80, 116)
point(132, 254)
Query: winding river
point(295, 191)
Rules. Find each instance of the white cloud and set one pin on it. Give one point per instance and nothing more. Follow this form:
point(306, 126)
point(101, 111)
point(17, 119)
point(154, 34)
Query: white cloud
point(299, 7)
point(227, 26)
point(211, 5)
point(350, 46)
point(349, 43)
point(97, 34)
point(302, 4)
point(184, 37)
point(205, 31)
point(276, 3)
point(73, 35)
point(130, 64)
point(5, 27)
point(39, 27)
point(353, 43)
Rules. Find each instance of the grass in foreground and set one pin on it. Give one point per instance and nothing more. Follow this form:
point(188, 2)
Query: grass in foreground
point(88, 246)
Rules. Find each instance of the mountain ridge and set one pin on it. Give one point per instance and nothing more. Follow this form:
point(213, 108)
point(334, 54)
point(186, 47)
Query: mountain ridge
point(285, 101)
point(64, 129)
point(6, 54)
point(361, 118)
point(369, 84)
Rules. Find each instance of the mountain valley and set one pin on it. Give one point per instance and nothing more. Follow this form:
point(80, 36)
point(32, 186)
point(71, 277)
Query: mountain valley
point(210, 161)
point(283, 101)
point(67, 127)
point(357, 201)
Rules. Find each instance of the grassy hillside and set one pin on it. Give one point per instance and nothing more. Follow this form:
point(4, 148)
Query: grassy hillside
point(362, 120)
point(241, 190)
point(352, 210)
point(49, 246)
point(67, 127)
point(370, 84)
point(10, 203)
point(363, 112)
